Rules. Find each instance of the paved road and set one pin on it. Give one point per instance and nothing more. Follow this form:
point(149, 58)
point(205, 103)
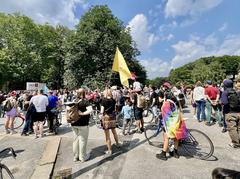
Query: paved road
point(136, 159)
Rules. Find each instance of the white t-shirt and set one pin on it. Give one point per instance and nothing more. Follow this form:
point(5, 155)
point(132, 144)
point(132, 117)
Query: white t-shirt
point(137, 85)
point(198, 93)
point(40, 102)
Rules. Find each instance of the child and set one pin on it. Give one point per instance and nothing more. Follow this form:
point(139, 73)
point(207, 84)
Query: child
point(127, 115)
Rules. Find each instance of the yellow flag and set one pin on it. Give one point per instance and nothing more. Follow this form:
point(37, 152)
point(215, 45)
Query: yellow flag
point(119, 65)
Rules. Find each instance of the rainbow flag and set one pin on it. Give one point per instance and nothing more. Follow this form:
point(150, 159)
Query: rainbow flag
point(172, 120)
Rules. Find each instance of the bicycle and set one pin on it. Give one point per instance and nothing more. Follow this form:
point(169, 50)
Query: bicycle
point(4, 170)
point(94, 117)
point(197, 144)
point(120, 120)
point(18, 120)
point(57, 119)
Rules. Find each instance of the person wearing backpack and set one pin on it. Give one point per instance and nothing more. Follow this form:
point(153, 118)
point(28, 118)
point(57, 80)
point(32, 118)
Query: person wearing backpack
point(231, 109)
point(138, 107)
point(11, 107)
point(80, 127)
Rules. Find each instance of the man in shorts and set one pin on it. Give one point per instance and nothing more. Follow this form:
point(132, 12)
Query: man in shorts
point(40, 102)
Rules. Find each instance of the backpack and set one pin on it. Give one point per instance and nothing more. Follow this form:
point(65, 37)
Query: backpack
point(141, 102)
point(72, 113)
point(234, 100)
point(7, 106)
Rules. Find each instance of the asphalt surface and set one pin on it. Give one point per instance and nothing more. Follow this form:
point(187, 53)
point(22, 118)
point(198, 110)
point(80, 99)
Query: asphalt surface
point(135, 159)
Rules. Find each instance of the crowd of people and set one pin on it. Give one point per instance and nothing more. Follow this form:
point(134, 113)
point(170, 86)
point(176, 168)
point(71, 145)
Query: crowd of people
point(219, 104)
point(211, 103)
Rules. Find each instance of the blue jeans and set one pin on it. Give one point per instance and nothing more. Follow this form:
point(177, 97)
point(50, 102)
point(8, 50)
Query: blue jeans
point(27, 126)
point(209, 112)
point(201, 110)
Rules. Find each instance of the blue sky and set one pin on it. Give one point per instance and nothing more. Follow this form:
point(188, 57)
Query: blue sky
point(169, 33)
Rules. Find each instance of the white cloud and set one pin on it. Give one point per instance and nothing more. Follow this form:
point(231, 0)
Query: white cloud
point(42, 11)
point(188, 51)
point(230, 45)
point(196, 47)
point(170, 26)
point(176, 8)
point(169, 37)
point(223, 27)
point(156, 67)
point(140, 32)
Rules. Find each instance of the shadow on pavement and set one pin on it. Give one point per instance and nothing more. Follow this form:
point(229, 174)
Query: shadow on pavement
point(64, 130)
point(186, 111)
point(127, 146)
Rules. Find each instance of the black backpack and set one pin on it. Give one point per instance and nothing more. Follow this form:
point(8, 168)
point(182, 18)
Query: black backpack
point(234, 100)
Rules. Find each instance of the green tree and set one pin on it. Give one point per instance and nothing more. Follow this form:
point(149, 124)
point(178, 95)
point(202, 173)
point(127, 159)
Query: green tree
point(20, 41)
point(93, 45)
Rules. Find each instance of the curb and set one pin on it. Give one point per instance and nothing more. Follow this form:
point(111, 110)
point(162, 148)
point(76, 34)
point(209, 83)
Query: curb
point(46, 164)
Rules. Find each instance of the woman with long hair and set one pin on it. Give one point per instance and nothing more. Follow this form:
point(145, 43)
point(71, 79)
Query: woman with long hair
point(108, 105)
point(80, 127)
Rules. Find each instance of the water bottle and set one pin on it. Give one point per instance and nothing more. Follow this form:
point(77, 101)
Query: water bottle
point(171, 145)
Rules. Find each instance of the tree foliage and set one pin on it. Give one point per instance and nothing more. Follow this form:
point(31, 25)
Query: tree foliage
point(208, 68)
point(93, 46)
point(30, 52)
point(61, 57)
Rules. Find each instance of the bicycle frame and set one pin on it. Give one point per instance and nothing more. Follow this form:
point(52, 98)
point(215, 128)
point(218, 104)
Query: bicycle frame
point(2, 166)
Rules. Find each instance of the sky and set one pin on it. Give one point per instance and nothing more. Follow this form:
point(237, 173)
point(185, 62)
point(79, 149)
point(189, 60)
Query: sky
point(168, 33)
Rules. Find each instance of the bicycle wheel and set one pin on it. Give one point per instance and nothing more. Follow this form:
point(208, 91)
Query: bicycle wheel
point(96, 118)
point(148, 116)
point(119, 119)
point(153, 136)
point(18, 122)
point(198, 145)
point(6, 173)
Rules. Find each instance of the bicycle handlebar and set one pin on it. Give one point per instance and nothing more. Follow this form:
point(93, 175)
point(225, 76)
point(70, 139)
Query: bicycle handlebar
point(11, 150)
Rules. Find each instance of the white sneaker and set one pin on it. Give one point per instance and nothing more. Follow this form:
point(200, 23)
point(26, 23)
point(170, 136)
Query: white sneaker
point(86, 158)
point(75, 159)
point(41, 135)
point(108, 153)
point(13, 132)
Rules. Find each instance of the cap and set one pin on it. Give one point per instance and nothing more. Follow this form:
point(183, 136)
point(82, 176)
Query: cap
point(13, 93)
point(167, 84)
point(209, 82)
